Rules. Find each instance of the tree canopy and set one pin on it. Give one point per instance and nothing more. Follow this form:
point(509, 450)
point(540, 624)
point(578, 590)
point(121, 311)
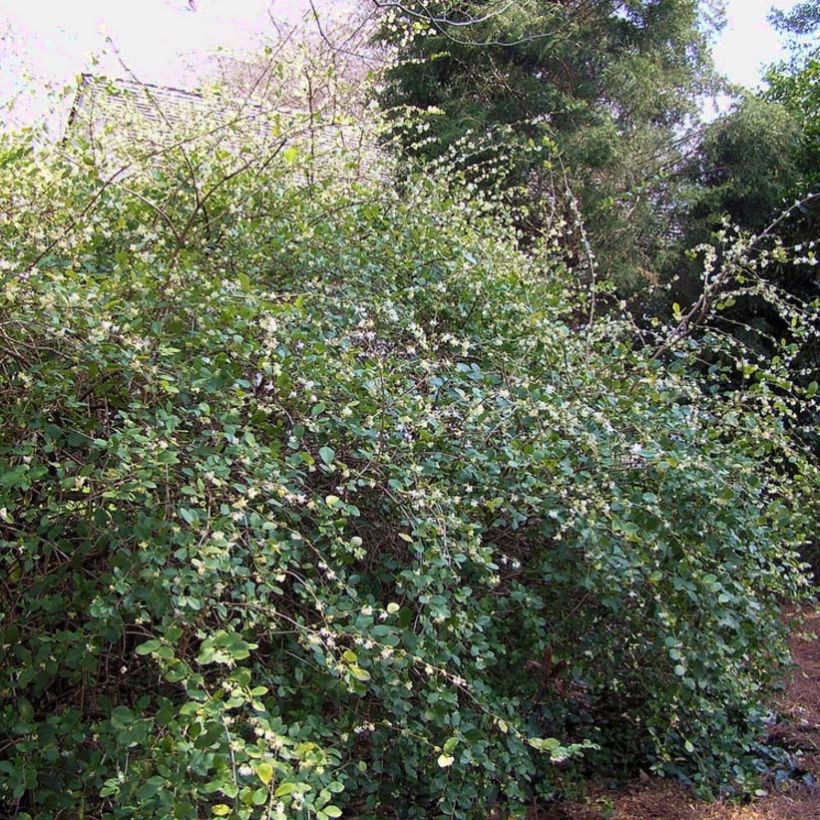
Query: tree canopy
point(602, 88)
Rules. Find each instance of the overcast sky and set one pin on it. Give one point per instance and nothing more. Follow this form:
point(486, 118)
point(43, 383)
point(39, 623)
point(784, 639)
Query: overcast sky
point(49, 42)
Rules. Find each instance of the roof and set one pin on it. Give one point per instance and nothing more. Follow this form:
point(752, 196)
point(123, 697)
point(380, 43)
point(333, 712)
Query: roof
point(112, 110)
point(111, 116)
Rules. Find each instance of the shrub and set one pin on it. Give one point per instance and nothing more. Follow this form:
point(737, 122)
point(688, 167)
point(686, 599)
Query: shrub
point(314, 501)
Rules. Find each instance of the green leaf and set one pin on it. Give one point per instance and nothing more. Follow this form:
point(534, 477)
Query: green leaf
point(264, 771)
point(151, 787)
point(188, 515)
point(359, 673)
point(327, 454)
point(148, 647)
point(122, 717)
point(260, 797)
point(17, 477)
point(544, 744)
point(284, 789)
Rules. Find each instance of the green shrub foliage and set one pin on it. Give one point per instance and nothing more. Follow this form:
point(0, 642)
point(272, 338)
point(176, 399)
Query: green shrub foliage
point(319, 496)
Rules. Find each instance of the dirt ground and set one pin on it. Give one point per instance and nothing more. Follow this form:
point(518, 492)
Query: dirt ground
point(798, 730)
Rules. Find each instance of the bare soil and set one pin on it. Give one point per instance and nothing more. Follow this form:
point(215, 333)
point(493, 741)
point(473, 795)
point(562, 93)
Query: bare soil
point(798, 731)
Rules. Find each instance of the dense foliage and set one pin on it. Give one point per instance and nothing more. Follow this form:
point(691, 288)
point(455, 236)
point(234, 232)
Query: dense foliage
point(796, 82)
point(319, 495)
point(749, 164)
point(605, 89)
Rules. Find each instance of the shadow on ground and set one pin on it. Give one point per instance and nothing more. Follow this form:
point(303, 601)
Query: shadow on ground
point(798, 731)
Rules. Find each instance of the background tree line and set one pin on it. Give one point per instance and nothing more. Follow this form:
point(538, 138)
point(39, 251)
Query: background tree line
point(612, 92)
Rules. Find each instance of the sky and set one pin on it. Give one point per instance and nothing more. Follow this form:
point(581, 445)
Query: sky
point(47, 43)
point(748, 42)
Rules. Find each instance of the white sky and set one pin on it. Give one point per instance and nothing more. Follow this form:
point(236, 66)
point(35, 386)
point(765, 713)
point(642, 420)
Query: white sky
point(748, 42)
point(49, 42)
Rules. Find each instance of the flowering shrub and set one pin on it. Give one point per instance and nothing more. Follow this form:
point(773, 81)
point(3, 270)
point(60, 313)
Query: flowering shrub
point(323, 497)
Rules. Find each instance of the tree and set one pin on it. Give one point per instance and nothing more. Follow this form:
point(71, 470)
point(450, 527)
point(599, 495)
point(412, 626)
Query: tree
point(795, 83)
point(602, 87)
point(747, 167)
point(802, 20)
point(750, 165)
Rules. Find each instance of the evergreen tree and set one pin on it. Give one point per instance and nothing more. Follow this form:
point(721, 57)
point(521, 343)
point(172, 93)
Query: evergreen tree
point(610, 85)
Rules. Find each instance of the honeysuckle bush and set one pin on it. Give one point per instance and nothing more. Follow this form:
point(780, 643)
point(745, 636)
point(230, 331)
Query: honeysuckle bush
point(320, 497)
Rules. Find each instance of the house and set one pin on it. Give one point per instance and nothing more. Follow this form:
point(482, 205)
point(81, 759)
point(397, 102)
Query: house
point(108, 113)
point(109, 117)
